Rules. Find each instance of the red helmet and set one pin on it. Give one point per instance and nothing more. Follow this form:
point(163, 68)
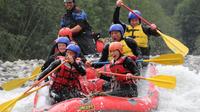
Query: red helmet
point(65, 32)
point(116, 46)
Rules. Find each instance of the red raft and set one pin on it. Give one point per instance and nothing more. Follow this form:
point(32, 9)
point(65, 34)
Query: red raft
point(104, 103)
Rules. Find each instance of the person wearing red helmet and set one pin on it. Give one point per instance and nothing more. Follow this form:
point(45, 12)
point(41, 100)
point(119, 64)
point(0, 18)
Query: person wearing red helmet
point(65, 32)
point(124, 65)
point(65, 81)
point(130, 47)
point(139, 32)
point(76, 19)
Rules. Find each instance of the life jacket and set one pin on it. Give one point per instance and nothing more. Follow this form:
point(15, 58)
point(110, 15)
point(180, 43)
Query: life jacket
point(117, 66)
point(66, 77)
point(137, 33)
point(126, 51)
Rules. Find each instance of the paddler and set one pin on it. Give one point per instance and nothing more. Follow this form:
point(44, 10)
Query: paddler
point(65, 81)
point(130, 47)
point(137, 31)
point(121, 86)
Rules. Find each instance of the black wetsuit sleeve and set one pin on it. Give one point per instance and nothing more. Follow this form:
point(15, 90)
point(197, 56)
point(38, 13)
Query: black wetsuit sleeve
point(104, 56)
point(80, 68)
point(83, 59)
point(131, 66)
point(83, 24)
point(116, 19)
point(133, 46)
point(48, 62)
point(107, 78)
point(148, 31)
point(49, 68)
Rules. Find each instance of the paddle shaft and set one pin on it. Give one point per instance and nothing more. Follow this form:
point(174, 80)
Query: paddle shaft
point(166, 59)
point(39, 81)
point(135, 77)
point(177, 48)
point(117, 74)
point(10, 104)
point(140, 17)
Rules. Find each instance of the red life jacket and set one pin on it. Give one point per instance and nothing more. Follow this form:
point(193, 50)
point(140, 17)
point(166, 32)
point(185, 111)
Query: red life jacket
point(117, 66)
point(67, 76)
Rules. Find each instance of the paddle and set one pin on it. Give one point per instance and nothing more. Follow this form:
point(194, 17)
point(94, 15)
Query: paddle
point(36, 72)
point(176, 46)
point(164, 81)
point(7, 106)
point(4, 108)
point(165, 59)
point(15, 83)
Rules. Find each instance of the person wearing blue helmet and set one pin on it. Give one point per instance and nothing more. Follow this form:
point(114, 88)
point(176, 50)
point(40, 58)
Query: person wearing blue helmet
point(63, 32)
point(130, 47)
point(61, 45)
point(65, 81)
point(74, 49)
point(76, 19)
point(139, 32)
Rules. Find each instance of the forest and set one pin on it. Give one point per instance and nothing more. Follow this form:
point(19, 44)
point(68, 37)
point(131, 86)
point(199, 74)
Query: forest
point(29, 27)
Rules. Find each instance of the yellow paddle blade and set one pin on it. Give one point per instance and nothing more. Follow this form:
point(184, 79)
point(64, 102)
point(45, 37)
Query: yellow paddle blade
point(7, 106)
point(35, 72)
point(164, 81)
point(176, 46)
point(13, 84)
point(168, 59)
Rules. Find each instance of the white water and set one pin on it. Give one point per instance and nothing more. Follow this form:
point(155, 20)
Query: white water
point(184, 98)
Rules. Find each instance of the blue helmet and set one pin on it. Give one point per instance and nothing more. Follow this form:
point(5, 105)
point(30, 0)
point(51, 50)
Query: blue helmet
point(63, 40)
point(69, 1)
point(117, 27)
point(75, 48)
point(133, 16)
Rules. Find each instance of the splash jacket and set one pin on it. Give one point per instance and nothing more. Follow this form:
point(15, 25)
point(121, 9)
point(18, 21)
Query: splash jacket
point(84, 38)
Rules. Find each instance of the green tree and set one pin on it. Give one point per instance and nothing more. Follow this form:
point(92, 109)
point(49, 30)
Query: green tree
point(188, 15)
point(34, 21)
point(169, 6)
point(27, 28)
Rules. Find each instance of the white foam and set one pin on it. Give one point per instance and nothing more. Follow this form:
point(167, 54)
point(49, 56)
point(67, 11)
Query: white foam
point(184, 98)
